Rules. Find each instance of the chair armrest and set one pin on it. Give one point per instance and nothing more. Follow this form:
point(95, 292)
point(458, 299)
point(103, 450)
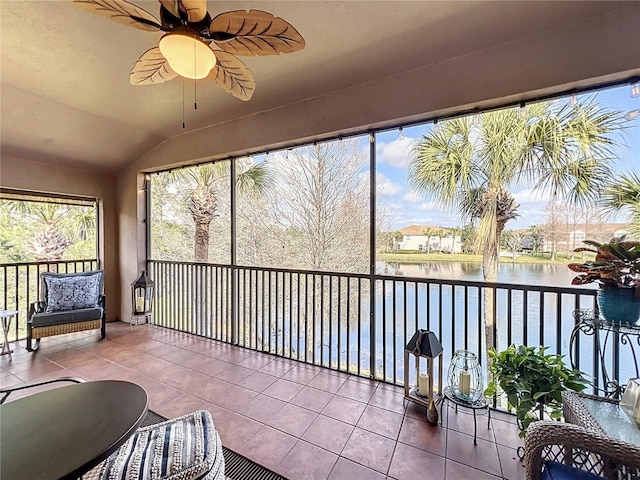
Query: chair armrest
point(5, 392)
point(102, 300)
point(37, 307)
point(578, 447)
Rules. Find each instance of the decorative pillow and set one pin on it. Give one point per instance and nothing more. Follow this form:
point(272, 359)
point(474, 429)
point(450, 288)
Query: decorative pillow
point(183, 448)
point(72, 292)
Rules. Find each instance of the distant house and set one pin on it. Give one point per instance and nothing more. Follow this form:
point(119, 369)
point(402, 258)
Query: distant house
point(414, 238)
point(568, 237)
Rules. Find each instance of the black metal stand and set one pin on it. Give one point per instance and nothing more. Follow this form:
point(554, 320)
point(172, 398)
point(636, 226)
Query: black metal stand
point(480, 404)
point(605, 335)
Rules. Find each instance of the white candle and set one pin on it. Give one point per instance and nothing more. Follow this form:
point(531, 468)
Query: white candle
point(465, 383)
point(140, 304)
point(423, 385)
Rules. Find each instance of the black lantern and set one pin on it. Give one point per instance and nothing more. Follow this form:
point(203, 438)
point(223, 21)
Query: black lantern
point(142, 296)
point(425, 344)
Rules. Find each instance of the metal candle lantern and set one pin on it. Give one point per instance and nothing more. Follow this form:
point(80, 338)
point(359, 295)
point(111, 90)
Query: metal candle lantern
point(424, 343)
point(465, 376)
point(142, 296)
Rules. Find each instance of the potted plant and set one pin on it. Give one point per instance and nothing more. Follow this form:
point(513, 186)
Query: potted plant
point(532, 381)
point(617, 269)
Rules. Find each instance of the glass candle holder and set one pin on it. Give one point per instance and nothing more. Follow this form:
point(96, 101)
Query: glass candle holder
point(465, 376)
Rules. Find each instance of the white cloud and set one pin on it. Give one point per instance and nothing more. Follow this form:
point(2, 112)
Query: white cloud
point(412, 196)
point(531, 210)
point(529, 195)
point(395, 153)
point(385, 187)
point(429, 206)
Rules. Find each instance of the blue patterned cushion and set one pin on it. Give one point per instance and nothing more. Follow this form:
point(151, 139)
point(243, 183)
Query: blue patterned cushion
point(559, 471)
point(183, 448)
point(72, 292)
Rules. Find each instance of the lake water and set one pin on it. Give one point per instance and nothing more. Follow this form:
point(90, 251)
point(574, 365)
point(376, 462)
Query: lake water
point(557, 275)
point(521, 317)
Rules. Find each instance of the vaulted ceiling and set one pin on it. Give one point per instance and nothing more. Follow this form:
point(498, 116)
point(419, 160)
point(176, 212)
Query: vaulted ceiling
point(65, 95)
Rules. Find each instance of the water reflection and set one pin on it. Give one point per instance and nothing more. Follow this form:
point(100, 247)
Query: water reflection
point(557, 275)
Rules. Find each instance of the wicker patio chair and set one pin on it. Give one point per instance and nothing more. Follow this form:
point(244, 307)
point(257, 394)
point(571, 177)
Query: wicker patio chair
point(588, 452)
point(71, 302)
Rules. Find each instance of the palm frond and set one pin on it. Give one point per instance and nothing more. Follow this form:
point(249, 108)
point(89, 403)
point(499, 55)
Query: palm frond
point(624, 194)
point(442, 162)
point(571, 148)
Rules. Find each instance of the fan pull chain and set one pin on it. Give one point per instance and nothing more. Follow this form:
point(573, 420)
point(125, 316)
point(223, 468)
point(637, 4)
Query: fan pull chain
point(195, 82)
point(183, 124)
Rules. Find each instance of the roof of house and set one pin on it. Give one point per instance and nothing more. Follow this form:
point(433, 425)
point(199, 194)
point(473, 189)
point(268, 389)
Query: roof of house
point(419, 229)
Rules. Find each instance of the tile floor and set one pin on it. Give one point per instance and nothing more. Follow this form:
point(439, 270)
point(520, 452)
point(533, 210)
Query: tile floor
point(301, 421)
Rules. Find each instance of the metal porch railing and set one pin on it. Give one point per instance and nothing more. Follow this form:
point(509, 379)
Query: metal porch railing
point(359, 323)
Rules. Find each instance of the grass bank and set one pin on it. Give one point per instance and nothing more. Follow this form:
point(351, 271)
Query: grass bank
point(421, 257)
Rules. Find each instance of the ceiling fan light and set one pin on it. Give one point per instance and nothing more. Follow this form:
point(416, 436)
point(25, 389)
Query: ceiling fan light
point(187, 55)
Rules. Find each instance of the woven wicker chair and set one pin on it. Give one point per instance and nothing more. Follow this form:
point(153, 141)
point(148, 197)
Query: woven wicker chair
point(581, 448)
point(44, 321)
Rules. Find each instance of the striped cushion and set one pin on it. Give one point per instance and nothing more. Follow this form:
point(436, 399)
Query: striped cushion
point(183, 448)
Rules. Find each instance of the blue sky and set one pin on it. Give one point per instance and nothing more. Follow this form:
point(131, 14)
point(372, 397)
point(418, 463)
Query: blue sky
point(406, 207)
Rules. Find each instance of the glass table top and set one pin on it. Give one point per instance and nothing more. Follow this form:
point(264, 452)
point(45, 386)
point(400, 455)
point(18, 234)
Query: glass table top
point(613, 420)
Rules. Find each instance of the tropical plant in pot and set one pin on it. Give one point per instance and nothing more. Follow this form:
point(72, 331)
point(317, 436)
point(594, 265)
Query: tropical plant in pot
point(533, 382)
point(617, 269)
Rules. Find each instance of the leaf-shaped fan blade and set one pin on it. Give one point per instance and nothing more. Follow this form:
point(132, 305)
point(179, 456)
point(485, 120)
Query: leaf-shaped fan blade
point(151, 68)
point(196, 9)
point(255, 33)
point(172, 7)
point(121, 12)
point(233, 75)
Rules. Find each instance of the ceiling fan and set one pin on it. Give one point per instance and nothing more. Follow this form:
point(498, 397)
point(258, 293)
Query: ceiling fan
point(197, 46)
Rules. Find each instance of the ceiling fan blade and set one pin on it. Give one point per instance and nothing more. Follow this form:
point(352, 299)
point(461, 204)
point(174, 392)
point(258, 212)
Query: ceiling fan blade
point(121, 12)
point(192, 11)
point(151, 68)
point(196, 10)
point(233, 75)
point(254, 33)
point(172, 6)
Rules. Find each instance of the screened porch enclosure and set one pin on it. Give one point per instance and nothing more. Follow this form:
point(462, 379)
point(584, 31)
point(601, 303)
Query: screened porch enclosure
point(287, 252)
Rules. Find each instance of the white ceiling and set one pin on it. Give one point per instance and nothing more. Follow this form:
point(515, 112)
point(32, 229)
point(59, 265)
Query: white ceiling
point(65, 95)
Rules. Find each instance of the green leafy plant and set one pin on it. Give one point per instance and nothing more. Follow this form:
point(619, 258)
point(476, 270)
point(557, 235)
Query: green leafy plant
point(617, 264)
point(533, 382)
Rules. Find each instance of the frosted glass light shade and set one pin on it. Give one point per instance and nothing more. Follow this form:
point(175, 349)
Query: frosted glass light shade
point(187, 55)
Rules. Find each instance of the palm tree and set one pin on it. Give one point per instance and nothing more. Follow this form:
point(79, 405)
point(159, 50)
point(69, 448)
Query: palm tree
point(55, 226)
point(48, 242)
point(624, 193)
point(201, 187)
point(564, 150)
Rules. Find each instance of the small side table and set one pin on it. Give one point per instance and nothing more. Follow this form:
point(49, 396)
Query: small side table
point(602, 414)
point(5, 318)
point(480, 404)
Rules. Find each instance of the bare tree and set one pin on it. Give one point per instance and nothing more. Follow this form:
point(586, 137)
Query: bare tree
point(512, 241)
point(553, 227)
point(322, 205)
